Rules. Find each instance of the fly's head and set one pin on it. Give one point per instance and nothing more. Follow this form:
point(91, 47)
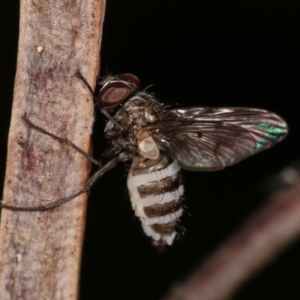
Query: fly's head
point(132, 111)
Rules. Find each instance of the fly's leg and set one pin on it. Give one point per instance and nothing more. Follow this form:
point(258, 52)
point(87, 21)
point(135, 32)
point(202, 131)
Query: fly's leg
point(61, 201)
point(63, 140)
point(102, 110)
point(80, 76)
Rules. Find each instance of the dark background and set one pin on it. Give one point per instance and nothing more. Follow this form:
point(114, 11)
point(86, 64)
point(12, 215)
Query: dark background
point(201, 53)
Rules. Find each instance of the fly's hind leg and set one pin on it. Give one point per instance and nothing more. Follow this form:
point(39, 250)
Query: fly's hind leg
point(61, 201)
point(92, 180)
point(63, 140)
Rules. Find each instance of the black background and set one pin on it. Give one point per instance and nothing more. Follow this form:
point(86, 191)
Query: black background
point(196, 53)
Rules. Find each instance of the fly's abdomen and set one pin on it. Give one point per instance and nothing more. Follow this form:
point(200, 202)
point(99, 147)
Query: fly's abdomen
point(156, 196)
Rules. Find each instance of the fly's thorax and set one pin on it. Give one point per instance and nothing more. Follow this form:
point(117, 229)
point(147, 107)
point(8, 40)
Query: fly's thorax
point(156, 193)
point(136, 140)
point(122, 144)
point(140, 110)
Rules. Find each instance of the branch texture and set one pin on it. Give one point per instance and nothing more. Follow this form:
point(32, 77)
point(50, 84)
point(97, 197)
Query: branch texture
point(40, 251)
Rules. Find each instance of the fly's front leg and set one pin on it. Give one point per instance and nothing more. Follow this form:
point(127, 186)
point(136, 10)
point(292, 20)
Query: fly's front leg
point(63, 140)
point(96, 102)
point(79, 75)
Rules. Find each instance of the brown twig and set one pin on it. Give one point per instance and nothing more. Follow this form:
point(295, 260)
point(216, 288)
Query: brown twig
point(257, 243)
point(40, 251)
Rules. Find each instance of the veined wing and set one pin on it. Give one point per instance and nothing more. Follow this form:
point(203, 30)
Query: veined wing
point(207, 139)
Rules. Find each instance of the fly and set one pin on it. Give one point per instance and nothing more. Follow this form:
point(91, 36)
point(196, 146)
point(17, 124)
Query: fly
point(160, 141)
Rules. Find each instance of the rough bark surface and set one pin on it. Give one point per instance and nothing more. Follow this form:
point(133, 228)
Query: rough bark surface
point(40, 251)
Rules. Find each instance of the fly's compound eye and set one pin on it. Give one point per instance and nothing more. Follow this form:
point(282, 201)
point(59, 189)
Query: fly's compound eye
point(117, 89)
point(113, 94)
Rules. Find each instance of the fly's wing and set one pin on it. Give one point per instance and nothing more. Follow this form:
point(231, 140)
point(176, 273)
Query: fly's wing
point(207, 139)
